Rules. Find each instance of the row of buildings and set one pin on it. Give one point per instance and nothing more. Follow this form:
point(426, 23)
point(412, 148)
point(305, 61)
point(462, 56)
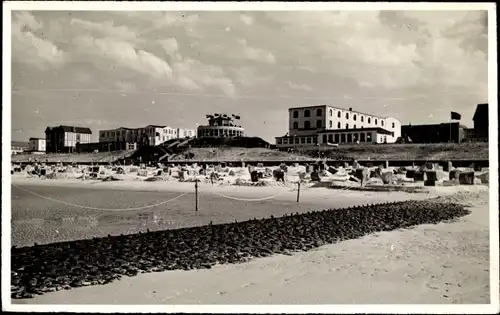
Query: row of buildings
point(324, 125)
point(320, 125)
point(68, 139)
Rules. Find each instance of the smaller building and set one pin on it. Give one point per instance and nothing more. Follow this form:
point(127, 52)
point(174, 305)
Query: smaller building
point(63, 139)
point(37, 145)
point(481, 123)
point(221, 126)
point(434, 133)
point(18, 147)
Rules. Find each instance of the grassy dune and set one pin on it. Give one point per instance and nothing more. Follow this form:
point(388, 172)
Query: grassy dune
point(439, 151)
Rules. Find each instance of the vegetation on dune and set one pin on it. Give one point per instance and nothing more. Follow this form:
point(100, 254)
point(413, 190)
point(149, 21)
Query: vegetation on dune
point(256, 149)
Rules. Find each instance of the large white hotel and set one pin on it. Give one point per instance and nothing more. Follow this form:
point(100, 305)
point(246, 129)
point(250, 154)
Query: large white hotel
point(325, 124)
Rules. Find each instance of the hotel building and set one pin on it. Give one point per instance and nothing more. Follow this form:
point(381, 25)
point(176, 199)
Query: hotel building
point(151, 135)
point(221, 126)
point(325, 124)
point(65, 138)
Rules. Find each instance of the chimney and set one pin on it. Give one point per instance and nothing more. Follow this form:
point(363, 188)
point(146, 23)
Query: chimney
point(350, 109)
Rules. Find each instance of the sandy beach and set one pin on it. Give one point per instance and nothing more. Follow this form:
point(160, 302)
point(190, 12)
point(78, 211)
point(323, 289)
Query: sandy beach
point(433, 264)
point(443, 263)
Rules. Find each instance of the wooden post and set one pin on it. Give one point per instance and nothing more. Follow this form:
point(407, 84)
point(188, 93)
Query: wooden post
point(298, 191)
point(196, 195)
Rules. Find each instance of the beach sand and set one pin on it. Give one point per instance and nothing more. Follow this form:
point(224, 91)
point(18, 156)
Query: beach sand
point(443, 263)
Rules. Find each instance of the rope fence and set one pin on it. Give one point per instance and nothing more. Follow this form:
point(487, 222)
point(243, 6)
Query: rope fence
point(213, 191)
point(159, 216)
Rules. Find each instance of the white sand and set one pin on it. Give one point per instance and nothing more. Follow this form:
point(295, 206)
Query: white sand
point(443, 263)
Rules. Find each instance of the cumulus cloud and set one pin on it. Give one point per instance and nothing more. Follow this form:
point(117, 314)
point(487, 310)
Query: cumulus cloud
point(27, 47)
point(170, 45)
point(125, 54)
point(106, 28)
point(388, 49)
point(299, 86)
point(369, 55)
point(247, 19)
point(256, 54)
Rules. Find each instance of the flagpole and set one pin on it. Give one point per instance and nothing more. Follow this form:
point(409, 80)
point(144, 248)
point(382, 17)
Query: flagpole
point(450, 127)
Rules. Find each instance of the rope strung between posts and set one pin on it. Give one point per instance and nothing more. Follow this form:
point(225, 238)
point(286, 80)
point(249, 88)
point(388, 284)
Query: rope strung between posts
point(94, 208)
point(247, 199)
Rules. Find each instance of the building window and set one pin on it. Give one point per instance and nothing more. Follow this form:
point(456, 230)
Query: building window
point(307, 113)
point(362, 137)
point(296, 140)
point(338, 125)
point(342, 138)
point(295, 114)
point(393, 125)
point(330, 138)
point(307, 124)
point(354, 117)
point(354, 127)
point(349, 137)
point(376, 121)
point(319, 112)
point(369, 120)
point(382, 122)
point(346, 115)
point(315, 140)
point(338, 114)
point(362, 118)
point(337, 138)
point(325, 138)
point(318, 123)
point(278, 141)
point(368, 137)
point(285, 141)
point(331, 113)
point(331, 124)
point(295, 125)
point(308, 139)
point(302, 140)
point(346, 126)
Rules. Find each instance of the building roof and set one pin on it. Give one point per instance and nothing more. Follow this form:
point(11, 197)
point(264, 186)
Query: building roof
point(85, 130)
point(377, 129)
point(338, 108)
point(481, 112)
point(37, 139)
point(155, 126)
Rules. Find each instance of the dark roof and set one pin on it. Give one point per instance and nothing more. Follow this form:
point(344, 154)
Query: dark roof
point(481, 112)
point(71, 129)
point(377, 129)
point(155, 126)
point(37, 139)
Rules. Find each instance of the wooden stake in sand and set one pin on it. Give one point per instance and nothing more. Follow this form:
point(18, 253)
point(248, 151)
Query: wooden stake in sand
point(196, 194)
point(298, 191)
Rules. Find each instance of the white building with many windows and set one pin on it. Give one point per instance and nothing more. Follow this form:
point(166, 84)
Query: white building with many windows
point(150, 135)
point(325, 124)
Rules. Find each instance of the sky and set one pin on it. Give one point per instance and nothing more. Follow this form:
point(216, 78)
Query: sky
point(108, 69)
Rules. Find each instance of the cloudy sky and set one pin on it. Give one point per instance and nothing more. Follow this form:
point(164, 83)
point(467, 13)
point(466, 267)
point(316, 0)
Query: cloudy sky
point(110, 69)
